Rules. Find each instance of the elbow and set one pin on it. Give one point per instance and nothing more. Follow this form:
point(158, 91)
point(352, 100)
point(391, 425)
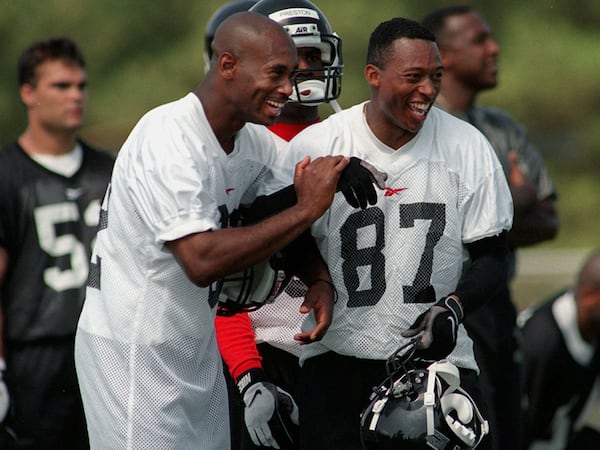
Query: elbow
point(201, 276)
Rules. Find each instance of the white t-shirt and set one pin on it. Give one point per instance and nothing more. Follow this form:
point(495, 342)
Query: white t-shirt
point(445, 188)
point(147, 360)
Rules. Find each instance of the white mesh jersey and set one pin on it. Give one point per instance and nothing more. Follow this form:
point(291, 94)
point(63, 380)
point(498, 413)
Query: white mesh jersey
point(445, 188)
point(276, 323)
point(146, 355)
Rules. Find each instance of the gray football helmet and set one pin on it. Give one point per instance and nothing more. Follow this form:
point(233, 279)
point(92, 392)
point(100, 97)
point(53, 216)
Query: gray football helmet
point(421, 407)
point(253, 287)
point(309, 27)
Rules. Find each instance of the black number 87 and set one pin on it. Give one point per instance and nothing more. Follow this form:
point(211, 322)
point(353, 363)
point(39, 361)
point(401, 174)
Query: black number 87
point(354, 257)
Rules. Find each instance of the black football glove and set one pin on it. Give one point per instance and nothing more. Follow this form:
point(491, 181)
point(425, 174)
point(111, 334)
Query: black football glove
point(439, 327)
point(271, 414)
point(357, 183)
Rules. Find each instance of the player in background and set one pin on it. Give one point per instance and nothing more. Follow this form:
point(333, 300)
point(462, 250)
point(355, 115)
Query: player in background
point(51, 185)
point(470, 57)
point(396, 265)
point(561, 365)
point(260, 345)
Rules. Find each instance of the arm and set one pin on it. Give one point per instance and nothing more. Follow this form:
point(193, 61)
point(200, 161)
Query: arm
point(439, 324)
point(487, 272)
point(306, 262)
point(235, 333)
point(208, 256)
point(235, 337)
point(535, 220)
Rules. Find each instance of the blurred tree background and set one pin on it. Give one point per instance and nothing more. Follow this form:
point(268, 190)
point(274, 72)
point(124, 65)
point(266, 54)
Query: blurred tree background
point(141, 54)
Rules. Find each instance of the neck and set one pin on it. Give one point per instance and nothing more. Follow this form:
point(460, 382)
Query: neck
point(40, 141)
point(221, 117)
point(392, 136)
point(456, 96)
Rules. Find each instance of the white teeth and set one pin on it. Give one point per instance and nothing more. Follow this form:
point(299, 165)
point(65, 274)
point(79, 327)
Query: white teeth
point(420, 108)
point(275, 104)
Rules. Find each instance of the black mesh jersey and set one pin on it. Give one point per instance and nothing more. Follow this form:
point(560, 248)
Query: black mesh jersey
point(47, 225)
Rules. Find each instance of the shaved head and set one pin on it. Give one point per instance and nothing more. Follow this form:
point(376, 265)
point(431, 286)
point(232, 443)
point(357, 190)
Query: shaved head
point(245, 32)
point(589, 274)
point(249, 78)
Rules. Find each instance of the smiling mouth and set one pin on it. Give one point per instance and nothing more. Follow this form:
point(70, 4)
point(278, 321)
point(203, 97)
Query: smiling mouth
point(420, 109)
point(276, 105)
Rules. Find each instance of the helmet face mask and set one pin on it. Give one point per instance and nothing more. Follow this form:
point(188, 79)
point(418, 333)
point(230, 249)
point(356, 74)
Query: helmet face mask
point(421, 407)
point(308, 27)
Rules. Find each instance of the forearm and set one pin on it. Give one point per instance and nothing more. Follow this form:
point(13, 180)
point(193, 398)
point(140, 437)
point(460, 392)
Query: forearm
point(486, 273)
point(208, 256)
point(304, 260)
point(540, 223)
point(236, 340)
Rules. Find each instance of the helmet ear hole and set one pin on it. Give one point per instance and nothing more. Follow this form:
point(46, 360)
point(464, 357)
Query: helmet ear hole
point(459, 403)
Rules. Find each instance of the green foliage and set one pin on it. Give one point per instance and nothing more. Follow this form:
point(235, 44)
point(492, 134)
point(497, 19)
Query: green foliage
point(141, 54)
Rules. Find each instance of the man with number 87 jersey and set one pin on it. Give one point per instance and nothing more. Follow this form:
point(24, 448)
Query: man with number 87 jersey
point(51, 185)
point(397, 265)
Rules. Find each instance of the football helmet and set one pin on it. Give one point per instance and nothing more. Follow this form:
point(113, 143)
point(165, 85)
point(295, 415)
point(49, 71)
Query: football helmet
point(421, 407)
point(309, 27)
point(253, 287)
point(215, 20)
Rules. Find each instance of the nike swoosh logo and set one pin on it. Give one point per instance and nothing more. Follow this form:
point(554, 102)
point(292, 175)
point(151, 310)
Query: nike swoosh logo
point(228, 190)
point(256, 394)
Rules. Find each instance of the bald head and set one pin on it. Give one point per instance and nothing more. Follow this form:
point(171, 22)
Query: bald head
point(590, 272)
point(242, 33)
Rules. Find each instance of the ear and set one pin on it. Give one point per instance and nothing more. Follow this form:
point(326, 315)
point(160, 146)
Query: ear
point(27, 93)
point(227, 65)
point(372, 75)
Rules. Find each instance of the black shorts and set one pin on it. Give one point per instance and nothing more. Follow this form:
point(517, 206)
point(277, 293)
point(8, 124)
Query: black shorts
point(45, 404)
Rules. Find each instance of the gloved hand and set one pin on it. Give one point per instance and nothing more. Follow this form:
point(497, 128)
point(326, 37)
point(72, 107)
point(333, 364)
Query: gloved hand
point(4, 397)
point(271, 414)
point(439, 327)
point(357, 183)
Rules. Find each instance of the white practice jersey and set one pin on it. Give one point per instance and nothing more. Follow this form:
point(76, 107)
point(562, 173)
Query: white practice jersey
point(445, 188)
point(146, 354)
point(276, 323)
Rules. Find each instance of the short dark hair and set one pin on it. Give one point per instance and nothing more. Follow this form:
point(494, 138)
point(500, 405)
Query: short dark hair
point(49, 49)
point(382, 38)
point(435, 21)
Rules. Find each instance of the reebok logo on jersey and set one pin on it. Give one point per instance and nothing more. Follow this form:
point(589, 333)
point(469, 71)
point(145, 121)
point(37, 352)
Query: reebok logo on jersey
point(389, 191)
point(229, 190)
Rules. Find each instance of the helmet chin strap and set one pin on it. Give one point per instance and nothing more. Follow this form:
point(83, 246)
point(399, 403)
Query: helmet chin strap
point(449, 373)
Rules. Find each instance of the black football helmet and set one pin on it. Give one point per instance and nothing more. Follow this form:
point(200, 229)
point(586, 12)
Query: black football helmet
point(253, 287)
point(216, 19)
point(309, 27)
point(421, 407)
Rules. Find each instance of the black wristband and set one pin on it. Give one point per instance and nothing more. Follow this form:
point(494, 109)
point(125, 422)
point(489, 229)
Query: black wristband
point(248, 378)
